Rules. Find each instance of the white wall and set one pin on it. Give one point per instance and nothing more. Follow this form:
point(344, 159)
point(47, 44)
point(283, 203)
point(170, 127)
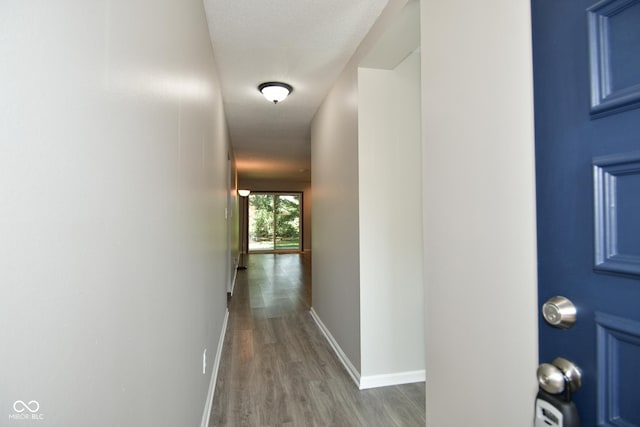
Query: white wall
point(479, 213)
point(390, 207)
point(113, 183)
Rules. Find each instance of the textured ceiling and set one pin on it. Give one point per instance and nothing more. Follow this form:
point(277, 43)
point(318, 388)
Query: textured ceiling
point(305, 43)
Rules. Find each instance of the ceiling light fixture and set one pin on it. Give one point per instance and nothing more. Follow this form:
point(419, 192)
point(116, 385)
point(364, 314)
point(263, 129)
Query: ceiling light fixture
point(244, 193)
point(275, 91)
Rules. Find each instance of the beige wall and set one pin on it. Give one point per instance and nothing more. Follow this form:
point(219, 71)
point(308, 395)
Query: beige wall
point(337, 263)
point(479, 213)
point(113, 176)
point(233, 223)
point(335, 250)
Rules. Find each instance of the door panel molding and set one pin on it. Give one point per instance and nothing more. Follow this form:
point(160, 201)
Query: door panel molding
point(617, 211)
point(618, 375)
point(614, 62)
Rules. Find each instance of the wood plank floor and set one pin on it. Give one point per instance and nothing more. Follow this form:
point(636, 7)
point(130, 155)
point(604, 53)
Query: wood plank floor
point(277, 368)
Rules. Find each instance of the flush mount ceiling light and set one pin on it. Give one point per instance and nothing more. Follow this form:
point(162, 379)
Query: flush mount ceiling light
point(244, 193)
point(275, 91)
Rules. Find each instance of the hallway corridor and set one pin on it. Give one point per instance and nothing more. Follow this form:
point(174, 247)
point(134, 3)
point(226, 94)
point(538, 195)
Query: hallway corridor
point(277, 368)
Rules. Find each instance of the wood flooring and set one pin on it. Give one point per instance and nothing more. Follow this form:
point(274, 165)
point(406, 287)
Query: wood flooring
point(277, 368)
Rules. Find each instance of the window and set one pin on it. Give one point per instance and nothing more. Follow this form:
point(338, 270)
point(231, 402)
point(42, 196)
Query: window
point(275, 221)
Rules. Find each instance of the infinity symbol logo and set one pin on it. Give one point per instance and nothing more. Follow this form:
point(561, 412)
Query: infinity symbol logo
point(33, 406)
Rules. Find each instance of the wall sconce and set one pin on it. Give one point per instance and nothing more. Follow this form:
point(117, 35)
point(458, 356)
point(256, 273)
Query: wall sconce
point(244, 193)
point(275, 91)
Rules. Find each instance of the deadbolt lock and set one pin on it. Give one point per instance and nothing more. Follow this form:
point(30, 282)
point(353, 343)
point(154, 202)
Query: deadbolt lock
point(559, 312)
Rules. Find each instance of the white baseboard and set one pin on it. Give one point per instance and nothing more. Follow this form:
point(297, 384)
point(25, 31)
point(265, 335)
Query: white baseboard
point(367, 381)
point(214, 373)
point(233, 281)
point(351, 370)
point(372, 381)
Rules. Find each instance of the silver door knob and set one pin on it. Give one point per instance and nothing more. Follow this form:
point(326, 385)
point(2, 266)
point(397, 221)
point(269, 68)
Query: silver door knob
point(572, 373)
point(559, 376)
point(559, 312)
point(550, 378)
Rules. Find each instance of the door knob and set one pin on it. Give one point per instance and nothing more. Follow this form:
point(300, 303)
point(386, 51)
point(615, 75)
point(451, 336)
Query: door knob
point(550, 378)
point(571, 372)
point(559, 376)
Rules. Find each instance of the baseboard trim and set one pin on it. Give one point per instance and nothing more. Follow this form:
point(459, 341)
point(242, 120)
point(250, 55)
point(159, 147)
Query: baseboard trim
point(372, 381)
point(351, 370)
point(367, 381)
point(233, 281)
point(214, 373)
point(232, 284)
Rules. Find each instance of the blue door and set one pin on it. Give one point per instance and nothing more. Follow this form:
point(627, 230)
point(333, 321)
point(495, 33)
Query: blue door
point(587, 121)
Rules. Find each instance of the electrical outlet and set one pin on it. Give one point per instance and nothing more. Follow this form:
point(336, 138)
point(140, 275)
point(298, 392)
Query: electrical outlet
point(204, 362)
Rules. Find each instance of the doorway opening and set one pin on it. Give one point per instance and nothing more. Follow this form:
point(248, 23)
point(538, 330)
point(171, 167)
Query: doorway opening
point(275, 222)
